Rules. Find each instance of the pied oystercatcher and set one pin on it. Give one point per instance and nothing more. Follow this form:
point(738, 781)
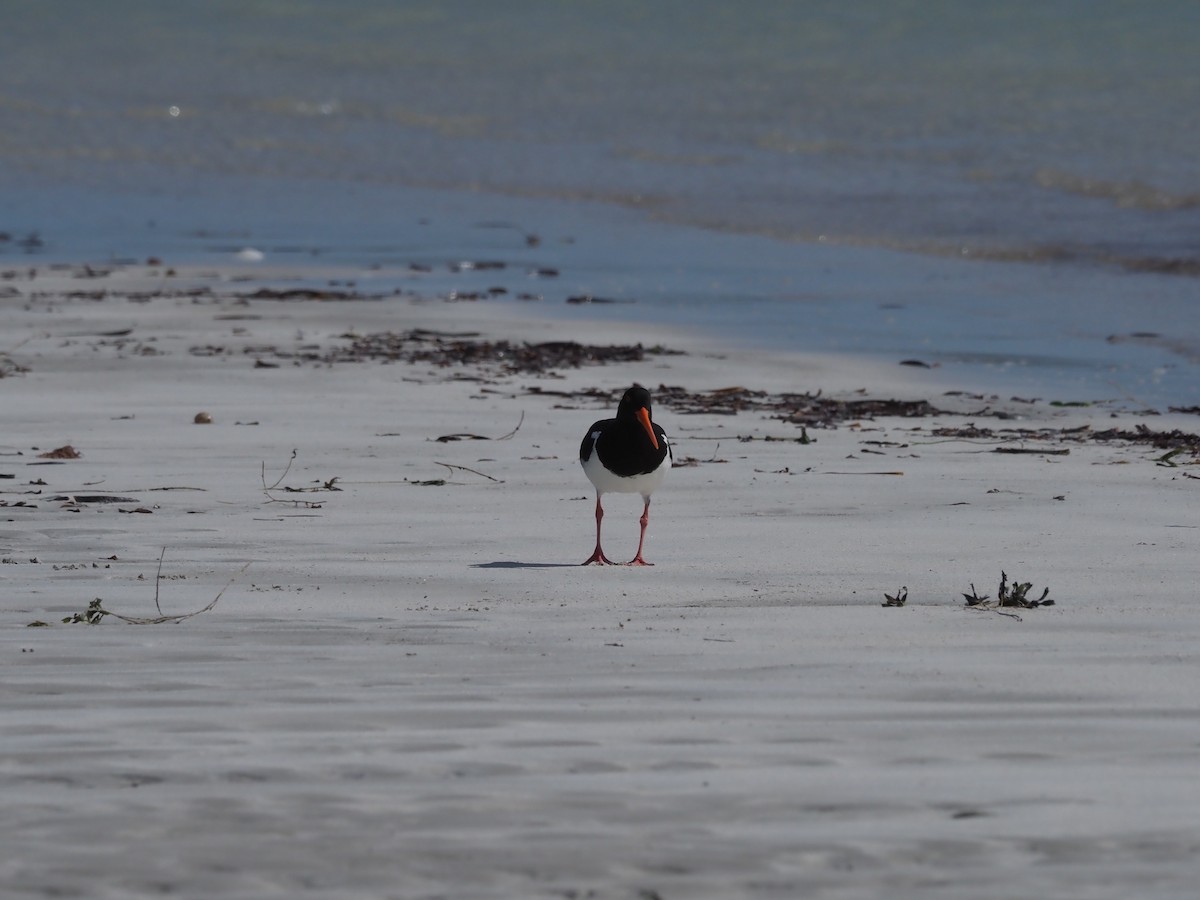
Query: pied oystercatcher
point(628, 454)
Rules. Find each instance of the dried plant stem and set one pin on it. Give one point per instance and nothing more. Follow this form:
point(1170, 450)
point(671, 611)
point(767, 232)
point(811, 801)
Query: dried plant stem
point(451, 466)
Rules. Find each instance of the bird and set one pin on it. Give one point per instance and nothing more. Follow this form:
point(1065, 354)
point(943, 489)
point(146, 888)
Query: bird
point(628, 454)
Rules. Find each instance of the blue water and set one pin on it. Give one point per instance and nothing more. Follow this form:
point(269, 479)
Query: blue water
point(1009, 190)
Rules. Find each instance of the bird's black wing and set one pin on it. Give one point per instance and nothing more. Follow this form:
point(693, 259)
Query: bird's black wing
point(589, 440)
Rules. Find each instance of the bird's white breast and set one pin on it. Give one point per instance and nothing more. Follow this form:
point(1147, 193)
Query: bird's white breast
point(605, 481)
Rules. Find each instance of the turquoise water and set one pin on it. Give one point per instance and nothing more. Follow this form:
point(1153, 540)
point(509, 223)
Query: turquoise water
point(1054, 139)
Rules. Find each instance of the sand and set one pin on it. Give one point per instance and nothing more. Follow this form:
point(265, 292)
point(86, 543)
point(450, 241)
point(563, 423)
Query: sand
point(414, 690)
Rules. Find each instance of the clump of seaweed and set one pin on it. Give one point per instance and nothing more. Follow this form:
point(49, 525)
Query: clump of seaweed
point(1008, 597)
point(899, 598)
point(447, 350)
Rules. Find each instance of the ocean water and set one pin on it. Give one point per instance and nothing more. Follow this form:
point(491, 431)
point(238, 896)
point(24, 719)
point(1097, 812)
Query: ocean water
point(1011, 188)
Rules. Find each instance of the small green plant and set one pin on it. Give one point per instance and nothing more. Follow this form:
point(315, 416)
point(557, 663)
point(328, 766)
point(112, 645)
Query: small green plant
point(1168, 458)
point(92, 615)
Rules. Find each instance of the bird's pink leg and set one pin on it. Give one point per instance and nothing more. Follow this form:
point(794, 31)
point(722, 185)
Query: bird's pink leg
point(645, 520)
point(598, 556)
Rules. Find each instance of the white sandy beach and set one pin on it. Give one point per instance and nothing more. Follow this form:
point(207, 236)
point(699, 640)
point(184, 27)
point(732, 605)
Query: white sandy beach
point(414, 690)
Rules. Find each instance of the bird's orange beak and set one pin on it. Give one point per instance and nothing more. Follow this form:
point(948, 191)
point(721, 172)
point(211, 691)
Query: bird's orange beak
point(643, 416)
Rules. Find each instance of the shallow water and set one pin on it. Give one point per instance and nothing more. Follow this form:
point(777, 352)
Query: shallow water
point(1061, 133)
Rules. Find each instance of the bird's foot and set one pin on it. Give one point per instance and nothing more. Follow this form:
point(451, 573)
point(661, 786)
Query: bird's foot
point(599, 559)
point(638, 561)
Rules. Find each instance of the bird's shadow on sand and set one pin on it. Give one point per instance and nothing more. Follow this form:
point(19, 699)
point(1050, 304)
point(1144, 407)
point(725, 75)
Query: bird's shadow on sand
point(515, 564)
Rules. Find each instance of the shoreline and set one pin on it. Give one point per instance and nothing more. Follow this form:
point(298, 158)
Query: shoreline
point(1059, 333)
point(415, 689)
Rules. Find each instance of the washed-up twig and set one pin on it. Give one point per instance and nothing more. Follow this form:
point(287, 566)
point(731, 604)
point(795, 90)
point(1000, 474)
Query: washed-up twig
point(442, 482)
point(467, 436)
point(1065, 451)
point(286, 469)
point(96, 610)
point(765, 438)
point(77, 499)
point(158, 579)
point(451, 466)
point(863, 473)
point(520, 422)
point(898, 599)
point(329, 485)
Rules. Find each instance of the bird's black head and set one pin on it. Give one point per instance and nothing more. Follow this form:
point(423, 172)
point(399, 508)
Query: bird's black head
point(637, 397)
point(635, 405)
